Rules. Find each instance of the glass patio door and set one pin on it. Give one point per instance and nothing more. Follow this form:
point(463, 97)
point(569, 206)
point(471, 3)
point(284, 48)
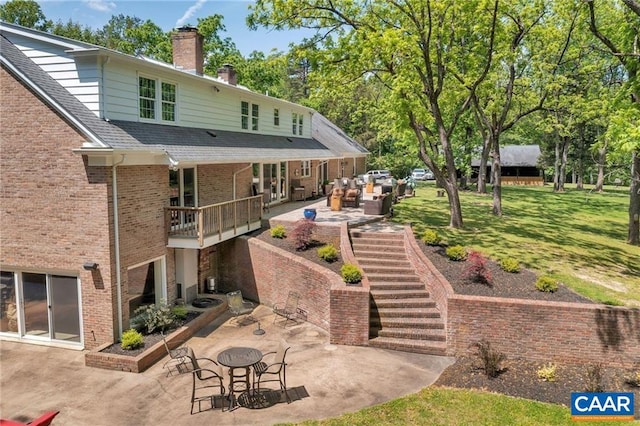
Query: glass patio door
point(274, 180)
point(35, 305)
point(50, 307)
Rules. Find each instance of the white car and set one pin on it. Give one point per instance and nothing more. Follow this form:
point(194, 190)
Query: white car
point(378, 175)
point(422, 174)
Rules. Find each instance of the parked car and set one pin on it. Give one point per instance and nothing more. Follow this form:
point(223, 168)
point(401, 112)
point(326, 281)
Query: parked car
point(422, 174)
point(378, 175)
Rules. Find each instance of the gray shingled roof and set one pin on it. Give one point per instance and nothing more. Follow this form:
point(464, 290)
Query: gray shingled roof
point(335, 138)
point(515, 156)
point(222, 146)
point(182, 143)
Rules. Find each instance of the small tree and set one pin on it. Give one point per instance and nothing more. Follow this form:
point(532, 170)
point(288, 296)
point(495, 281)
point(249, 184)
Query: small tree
point(302, 234)
point(477, 270)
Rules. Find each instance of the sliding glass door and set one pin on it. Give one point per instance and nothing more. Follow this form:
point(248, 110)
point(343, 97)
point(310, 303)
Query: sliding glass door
point(41, 306)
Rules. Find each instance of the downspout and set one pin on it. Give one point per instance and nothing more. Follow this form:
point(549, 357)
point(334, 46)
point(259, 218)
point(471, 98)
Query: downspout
point(234, 178)
point(117, 243)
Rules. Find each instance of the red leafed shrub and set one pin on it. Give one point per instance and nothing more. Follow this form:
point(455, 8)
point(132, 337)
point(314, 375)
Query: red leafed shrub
point(302, 233)
point(477, 271)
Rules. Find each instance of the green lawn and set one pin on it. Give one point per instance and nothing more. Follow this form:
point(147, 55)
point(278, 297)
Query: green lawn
point(578, 237)
point(440, 406)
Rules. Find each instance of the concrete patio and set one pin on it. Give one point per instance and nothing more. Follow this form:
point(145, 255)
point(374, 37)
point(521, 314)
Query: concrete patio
point(325, 380)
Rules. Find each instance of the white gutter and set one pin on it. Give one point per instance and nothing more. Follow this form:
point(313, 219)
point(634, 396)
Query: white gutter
point(234, 178)
point(116, 235)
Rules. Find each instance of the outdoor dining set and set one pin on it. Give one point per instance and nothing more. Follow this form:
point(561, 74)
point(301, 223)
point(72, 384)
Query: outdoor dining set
point(247, 370)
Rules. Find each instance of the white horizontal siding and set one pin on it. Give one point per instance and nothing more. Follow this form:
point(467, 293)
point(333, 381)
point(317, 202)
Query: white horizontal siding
point(79, 77)
point(198, 103)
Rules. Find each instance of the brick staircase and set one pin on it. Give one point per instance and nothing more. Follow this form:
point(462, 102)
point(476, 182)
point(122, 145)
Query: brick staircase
point(403, 316)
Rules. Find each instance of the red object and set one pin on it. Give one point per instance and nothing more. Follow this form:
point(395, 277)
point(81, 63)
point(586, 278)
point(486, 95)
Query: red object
point(43, 420)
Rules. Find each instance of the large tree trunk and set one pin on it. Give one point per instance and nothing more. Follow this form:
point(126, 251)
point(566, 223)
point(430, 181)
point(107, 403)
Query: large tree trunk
point(602, 158)
point(497, 182)
point(560, 169)
point(634, 201)
point(482, 170)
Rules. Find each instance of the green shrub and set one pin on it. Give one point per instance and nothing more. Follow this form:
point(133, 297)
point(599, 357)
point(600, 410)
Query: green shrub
point(131, 339)
point(546, 284)
point(155, 317)
point(547, 373)
point(179, 312)
point(431, 237)
point(491, 359)
point(328, 253)
point(509, 264)
point(351, 274)
point(456, 253)
point(278, 231)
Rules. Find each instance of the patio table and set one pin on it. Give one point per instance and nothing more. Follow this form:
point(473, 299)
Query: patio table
point(238, 358)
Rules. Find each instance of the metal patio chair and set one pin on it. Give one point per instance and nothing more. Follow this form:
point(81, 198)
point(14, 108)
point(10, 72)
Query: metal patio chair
point(238, 306)
point(205, 380)
point(272, 368)
point(288, 310)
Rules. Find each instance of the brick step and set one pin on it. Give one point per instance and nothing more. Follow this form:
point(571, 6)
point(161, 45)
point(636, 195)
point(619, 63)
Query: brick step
point(394, 285)
point(412, 302)
point(400, 262)
point(402, 322)
point(377, 236)
point(399, 293)
point(377, 251)
point(369, 253)
point(423, 312)
point(377, 277)
point(386, 269)
point(429, 334)
point(410, 345)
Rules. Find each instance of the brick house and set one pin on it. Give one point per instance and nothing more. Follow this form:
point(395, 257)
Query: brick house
point(122, 176)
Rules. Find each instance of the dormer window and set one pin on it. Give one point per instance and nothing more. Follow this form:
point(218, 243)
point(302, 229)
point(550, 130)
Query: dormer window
point(151, 93)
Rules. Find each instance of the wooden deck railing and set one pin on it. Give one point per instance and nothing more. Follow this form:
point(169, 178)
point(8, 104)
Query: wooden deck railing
point(235, 217)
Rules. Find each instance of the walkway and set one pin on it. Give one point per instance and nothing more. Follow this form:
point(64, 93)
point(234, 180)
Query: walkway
point(326, 380)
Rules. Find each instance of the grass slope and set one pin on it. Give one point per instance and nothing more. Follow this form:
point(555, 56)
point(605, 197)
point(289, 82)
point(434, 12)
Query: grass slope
point(578, 237)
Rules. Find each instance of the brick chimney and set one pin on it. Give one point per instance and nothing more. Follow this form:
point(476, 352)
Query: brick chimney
point(228, 74)
point(187, 50)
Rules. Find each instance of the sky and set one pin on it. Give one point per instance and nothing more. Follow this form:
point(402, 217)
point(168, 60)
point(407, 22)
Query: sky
point(173, 14)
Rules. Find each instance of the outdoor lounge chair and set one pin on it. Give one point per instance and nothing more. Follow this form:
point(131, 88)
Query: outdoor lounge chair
point(237, 305)
point(273, 365)
point(288, 310)
point(205, 380)
point(43, 420)
point(177, 358)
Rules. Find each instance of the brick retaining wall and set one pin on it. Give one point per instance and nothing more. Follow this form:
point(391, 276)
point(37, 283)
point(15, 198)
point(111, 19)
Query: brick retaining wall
point(545, 331)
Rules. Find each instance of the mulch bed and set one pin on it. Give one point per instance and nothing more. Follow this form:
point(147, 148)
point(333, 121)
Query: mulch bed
point(519, 377)
point(310, 254)
point(149, 339)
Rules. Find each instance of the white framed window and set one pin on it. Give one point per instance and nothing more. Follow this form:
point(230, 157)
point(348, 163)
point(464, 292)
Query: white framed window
point(276, 117)
point(305, 168)
point(244, 115)
point(300, 117)
point(153, 92)
point(254, 117)
point(294, 123)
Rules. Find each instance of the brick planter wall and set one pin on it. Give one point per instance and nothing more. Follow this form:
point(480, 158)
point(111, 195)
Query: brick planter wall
point(545, 331)
point(138, 364)
point(267, 274)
